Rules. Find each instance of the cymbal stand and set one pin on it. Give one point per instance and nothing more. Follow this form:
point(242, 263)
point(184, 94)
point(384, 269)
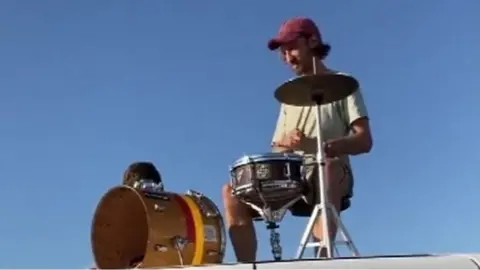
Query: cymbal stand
point(324, 205)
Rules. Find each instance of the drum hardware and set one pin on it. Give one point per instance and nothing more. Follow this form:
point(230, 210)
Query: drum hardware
point(161, 248)
point(156, 195)
point(206, 207)
point(272, 218)
point(148, 185)
point(136, 263)
point(316, 90)
point(194, 193)
point(136, 266)
point(151, 189)
point(159, 208)
point(179, 244)
point(212, 253)
point(275, 241)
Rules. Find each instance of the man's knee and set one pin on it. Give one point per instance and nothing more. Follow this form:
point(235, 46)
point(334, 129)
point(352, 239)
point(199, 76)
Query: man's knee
point(339, 183)
point(338, 177)
point(228, 199)
point(236, 212)
point(226, 192)
point(333, 168)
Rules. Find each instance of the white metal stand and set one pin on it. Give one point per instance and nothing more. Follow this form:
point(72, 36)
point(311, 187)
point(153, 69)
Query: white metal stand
point(324, 205)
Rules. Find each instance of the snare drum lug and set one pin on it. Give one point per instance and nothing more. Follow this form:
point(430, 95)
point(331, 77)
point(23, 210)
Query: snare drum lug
point(287, 171)
point(233, 178)
point(161, 248)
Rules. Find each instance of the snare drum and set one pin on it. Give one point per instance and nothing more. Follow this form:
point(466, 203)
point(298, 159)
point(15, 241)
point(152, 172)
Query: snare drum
point(268, 180)
point(156, 229)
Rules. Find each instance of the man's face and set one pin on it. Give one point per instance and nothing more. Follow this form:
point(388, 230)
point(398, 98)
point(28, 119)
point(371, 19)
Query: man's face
point(298, 56)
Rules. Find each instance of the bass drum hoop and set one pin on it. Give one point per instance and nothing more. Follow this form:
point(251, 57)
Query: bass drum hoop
point(127, 209)
point(114, 205)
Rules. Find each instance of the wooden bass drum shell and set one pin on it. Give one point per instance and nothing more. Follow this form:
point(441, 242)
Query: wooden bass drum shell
point(130, 226)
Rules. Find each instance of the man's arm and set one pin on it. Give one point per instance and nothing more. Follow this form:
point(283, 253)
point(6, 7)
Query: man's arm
point(279, 132)
point(361, 140)
point(356, 115)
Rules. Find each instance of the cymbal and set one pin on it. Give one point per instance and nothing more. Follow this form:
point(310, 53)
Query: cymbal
point(303, 90)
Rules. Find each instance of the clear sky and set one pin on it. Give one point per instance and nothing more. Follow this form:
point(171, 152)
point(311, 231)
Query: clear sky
point(87, 87)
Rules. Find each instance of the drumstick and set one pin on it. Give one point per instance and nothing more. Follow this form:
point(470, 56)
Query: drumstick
point(297, 126)
point(304, 127)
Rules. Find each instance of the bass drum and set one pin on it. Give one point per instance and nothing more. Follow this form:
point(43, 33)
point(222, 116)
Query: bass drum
point(134, 228)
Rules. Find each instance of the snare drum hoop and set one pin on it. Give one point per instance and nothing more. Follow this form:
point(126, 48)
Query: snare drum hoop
point(249, 159)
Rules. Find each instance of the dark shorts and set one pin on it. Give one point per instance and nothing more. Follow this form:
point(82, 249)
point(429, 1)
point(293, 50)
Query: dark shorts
point(304, 207)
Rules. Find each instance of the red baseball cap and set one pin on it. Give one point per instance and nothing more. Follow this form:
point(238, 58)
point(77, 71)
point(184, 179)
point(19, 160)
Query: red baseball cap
point(293, 29)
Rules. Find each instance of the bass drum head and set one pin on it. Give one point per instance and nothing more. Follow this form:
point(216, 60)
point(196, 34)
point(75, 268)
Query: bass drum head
point(120, 229)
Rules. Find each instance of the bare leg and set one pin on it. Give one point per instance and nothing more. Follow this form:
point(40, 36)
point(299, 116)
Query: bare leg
point(240, 227)
point(338, 183)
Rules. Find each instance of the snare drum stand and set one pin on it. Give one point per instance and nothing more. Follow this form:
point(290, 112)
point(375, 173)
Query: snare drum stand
point(324, 205)
point(275, 240)
point(272, 218)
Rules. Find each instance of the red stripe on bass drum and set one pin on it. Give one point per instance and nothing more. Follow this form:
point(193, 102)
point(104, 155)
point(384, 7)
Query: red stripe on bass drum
point(189, 222)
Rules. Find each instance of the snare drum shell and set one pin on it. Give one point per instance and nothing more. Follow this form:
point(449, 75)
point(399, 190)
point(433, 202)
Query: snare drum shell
point(272, 180)
point(130, 226)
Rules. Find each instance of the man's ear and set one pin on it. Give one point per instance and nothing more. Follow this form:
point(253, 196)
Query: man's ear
point(313, 42)
point(282, 57)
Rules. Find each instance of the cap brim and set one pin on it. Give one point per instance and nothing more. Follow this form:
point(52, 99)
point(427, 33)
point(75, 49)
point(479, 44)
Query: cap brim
point(275, 43)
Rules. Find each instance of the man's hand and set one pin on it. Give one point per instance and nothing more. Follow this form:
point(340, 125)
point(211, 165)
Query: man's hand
point(334, 148)
point(291, 141)
point(357, 143)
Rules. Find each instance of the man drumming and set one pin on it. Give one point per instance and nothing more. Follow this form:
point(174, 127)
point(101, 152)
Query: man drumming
point(345, 129)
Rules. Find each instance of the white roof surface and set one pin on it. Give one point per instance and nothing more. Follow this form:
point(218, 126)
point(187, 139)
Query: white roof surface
point(453, 261)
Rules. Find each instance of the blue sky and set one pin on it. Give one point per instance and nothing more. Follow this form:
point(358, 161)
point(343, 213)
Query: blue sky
point(87, 87)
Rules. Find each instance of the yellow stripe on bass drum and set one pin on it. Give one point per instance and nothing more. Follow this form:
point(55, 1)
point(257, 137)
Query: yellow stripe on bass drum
point(199, 231)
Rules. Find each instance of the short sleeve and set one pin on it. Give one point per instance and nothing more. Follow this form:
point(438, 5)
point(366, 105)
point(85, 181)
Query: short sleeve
point(354, 107)
point(280, 127)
